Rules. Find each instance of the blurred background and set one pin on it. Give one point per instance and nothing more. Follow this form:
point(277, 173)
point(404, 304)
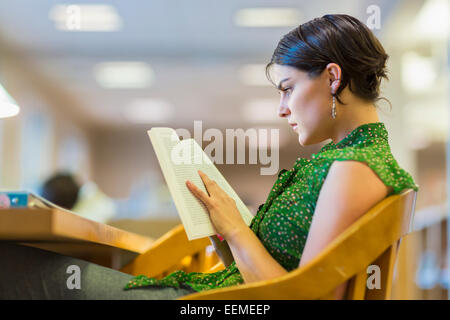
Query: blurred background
point(91, 77)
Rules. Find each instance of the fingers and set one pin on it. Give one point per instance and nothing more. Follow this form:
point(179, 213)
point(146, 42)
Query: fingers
point(198, 193)
point(209, 184)
point(211, 187)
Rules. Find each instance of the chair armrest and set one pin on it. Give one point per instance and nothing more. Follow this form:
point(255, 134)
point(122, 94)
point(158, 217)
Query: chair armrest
point(217, 267)
point(165, 252)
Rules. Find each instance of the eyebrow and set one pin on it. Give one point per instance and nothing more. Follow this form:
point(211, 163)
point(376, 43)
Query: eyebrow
point(279, 85)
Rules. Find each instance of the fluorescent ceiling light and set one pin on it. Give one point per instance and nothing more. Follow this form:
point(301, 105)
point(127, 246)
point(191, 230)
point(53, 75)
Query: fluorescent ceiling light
point(432, 20)
point(149, 111)
point(8, 107)
point(267, 17)
point(124, 74)
point(418, 72)
point(261, 111)
point(85, 17)
point(253, 75)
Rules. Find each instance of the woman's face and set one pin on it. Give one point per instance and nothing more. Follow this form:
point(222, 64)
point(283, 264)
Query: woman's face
point(305, 102)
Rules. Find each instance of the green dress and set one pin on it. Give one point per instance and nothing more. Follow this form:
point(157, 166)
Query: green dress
point(283, 221)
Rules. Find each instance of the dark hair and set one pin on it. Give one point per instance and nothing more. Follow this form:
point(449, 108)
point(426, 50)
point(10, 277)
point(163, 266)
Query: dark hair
point(341, 39)
point(62, 190)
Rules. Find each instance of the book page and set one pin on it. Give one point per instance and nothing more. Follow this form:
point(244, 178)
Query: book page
point(208, 167)
point(188, 158)
point(183, 172)
point(181, 161)
point(192, 212)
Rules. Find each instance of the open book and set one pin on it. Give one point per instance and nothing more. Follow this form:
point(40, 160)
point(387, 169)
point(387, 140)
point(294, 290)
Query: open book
point(179, 161)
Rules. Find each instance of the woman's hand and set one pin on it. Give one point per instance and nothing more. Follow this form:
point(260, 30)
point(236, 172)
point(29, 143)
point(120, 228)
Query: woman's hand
point(222, 208)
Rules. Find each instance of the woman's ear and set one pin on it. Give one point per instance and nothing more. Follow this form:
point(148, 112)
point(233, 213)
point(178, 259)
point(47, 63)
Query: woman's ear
point(334, 73)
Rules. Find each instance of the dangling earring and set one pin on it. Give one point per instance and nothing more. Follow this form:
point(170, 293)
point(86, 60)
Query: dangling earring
point(333, 109)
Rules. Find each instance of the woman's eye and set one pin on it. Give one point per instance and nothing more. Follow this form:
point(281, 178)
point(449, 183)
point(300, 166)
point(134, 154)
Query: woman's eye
point(287, 90)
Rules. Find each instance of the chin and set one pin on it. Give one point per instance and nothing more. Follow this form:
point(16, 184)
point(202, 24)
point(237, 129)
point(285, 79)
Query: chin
point(302, 141)
point(305, 141)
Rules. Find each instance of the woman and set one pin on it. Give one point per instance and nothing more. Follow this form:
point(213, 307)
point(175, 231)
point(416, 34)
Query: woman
point(328, 72)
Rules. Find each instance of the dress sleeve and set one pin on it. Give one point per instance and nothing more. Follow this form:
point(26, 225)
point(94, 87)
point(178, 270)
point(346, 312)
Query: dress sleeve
point(380, 159)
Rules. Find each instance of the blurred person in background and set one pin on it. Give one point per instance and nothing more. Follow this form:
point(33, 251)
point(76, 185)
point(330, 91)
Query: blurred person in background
point(62, 190)
point(86, 200)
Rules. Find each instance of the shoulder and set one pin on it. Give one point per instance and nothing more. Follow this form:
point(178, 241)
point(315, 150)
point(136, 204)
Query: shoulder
point(351, 187)
point(353, 168)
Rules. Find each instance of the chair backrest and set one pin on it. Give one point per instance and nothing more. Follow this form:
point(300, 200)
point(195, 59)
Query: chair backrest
point(372, 239)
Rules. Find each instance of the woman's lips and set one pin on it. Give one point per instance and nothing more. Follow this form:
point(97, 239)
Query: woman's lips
point(294, 126)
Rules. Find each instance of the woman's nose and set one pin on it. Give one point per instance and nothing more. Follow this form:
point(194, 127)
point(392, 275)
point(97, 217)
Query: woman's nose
point(283, 111)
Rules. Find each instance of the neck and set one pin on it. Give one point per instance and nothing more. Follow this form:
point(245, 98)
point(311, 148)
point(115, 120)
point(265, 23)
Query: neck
point(349, 117)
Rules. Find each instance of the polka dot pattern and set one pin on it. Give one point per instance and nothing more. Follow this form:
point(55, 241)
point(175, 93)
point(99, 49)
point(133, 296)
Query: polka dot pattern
point(283, 221)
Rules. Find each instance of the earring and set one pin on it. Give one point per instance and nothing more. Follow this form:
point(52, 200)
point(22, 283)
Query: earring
point(333, 109)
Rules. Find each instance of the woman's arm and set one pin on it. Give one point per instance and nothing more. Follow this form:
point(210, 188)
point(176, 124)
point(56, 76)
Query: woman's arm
point(350, 189)
point(222, 250)
point(252, 259)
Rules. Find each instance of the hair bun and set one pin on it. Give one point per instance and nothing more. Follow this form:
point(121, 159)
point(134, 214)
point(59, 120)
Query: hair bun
point(341, 39)
point(381, 68)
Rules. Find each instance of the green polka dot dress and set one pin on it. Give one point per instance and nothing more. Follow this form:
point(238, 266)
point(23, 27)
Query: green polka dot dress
point(283, 221)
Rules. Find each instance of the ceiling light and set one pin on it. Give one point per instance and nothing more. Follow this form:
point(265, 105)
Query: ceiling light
point(124, 74)
point(149, 111)
point(85, 17)
point(8, 107)
point(267, 17)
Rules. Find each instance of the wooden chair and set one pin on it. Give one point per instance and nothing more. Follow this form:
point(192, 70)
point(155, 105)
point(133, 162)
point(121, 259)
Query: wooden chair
point(372, 240)
point(173, 251)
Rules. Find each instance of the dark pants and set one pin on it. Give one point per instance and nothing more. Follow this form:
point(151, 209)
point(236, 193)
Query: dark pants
point(31, 273)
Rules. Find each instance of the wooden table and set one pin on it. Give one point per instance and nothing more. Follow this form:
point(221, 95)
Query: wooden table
point(71, 235)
